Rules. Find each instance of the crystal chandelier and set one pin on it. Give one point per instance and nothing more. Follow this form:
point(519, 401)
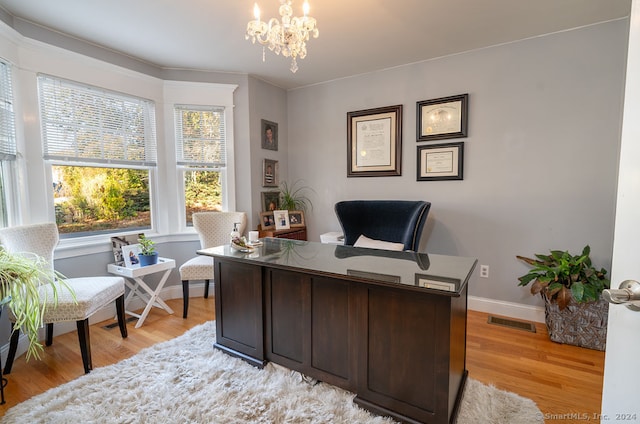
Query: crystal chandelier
point(288, 37)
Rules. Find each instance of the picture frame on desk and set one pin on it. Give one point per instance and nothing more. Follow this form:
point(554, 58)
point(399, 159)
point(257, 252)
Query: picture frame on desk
point(296, 219)
point(130, 254)
point(267, 221)
point(282, 219)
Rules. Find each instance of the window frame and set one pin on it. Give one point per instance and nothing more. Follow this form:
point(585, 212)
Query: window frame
point(54, 160)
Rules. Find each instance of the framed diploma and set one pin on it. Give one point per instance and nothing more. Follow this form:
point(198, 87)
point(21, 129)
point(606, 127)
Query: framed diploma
point(374, 142)
point(442, 118)
point(439, 162)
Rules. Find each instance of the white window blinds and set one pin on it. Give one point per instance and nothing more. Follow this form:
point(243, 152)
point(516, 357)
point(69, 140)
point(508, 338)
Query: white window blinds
point(81, 123)
point(7, 118)
point(200, 136)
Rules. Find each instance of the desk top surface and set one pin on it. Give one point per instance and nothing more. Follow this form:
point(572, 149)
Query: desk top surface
point(445, 274)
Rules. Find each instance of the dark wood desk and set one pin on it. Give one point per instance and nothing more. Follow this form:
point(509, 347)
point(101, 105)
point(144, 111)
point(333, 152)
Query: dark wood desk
point(388, 326)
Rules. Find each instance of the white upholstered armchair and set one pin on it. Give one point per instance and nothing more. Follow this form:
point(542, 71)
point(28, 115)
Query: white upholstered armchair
point(92, 293)
point(214, 229)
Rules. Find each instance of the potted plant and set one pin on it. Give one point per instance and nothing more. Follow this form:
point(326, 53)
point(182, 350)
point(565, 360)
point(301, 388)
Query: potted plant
point(294, 198)
point(20, 279)
point(148, 254)
point(571, 287)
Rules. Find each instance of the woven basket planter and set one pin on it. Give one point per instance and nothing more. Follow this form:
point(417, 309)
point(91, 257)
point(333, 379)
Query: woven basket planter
point(579, 324)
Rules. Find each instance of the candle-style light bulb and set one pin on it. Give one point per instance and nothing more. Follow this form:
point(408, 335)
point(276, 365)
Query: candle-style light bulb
point(256, 11)
point(305, 8)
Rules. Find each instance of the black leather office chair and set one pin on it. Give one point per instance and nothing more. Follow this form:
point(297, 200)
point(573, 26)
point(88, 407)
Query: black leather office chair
point(398, 221)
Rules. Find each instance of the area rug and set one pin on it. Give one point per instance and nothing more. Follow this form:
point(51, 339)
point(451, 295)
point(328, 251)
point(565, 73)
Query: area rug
point(185, 380)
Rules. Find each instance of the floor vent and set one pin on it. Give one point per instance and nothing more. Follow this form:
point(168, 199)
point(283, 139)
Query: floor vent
point(519, 325)
point(115, 324)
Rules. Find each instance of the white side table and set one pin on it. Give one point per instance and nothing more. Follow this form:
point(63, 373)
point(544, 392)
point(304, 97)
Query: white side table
point(138, 288)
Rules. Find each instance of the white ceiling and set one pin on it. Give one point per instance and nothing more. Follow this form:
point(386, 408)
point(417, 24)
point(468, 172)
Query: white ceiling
point(356, 36)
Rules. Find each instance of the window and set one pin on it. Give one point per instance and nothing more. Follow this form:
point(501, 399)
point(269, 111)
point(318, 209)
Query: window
point(101, 149)
point(201, 156)
point(7, 142)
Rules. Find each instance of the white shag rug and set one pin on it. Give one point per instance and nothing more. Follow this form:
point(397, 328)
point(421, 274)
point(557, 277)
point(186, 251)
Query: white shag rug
point(185, 380)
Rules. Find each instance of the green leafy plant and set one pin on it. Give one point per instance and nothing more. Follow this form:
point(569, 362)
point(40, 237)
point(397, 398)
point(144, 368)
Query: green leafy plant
point(147, 246)
point(20, 279)
point(561, 276)
point(294, 198)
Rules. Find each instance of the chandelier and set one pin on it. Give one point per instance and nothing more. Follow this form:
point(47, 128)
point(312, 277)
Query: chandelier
point(288, 37)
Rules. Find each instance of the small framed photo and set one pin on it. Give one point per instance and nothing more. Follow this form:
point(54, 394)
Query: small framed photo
point(130, 254)
point(296, 219)
point(442, 118)
point(270, 173)
point(267, 221)
point(282, 220)
point(269, 131)
point(270, 201)
point(439, 162)
point(374, 142)
point(117, 242)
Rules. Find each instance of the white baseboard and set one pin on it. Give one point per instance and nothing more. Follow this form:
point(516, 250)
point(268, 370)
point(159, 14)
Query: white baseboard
point(506, 309)
point(167, 293)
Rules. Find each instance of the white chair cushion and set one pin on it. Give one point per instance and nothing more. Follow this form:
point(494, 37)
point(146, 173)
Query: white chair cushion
point(198, 268)
point(92, 293)
point(377, 244)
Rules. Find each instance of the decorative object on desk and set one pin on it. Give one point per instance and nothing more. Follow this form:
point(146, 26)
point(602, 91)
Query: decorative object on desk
point(442, 118)
point(21, 276)
point(199, 399)
point(131, 255)
point(269, 131)
point(148, 254)
point(374, 142)
point(267, 221)
point(296, 219)
point(294, 197)
point(438, 162)
point(269, 173)
point(575, 312)
point(240, 244)
point(270, 200)
point(282, 219)
point(122, 240)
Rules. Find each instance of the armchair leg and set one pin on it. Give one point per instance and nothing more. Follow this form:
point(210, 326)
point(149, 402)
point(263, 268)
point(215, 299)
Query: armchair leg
point(85, 344)
point(206, 289)
point(185, 298)
point(122, 319)
point(13, 347)
point(49, 339)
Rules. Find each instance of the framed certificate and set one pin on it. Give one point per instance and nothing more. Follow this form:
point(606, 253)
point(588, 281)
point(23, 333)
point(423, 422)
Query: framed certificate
point(374, 142)
point(440, 162)
point(442, 118)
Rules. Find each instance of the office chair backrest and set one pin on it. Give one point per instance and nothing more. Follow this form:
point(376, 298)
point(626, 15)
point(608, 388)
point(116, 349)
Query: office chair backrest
point(214, 228)
point(398, 221)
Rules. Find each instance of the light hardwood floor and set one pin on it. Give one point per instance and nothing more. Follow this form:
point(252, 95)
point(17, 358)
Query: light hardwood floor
point(565, 381)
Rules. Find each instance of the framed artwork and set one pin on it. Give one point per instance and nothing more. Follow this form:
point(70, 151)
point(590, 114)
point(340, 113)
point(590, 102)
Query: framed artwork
point(374, 142)
point(130, 254)
point(117, 242)
point(282, 219)
point(270, 200)
point(296, 219)
point(269, 131)
point(439, 162)
point(442, 118)
point(269, 173)
point(267, 221)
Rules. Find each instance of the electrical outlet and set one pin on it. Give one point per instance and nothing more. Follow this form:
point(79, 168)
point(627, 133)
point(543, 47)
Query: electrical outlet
point(484, 271)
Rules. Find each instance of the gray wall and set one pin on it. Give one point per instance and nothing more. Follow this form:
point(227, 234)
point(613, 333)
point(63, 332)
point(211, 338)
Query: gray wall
point(540, 159)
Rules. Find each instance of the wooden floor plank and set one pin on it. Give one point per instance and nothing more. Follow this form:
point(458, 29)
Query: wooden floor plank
point(561, 379)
